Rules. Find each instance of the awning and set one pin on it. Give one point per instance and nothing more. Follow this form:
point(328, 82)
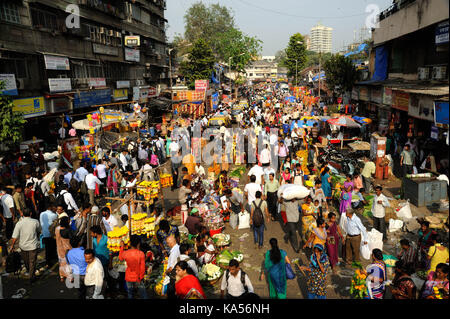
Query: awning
point(434, 91)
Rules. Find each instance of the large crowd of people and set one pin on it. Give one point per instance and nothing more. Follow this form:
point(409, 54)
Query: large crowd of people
point(71, 219)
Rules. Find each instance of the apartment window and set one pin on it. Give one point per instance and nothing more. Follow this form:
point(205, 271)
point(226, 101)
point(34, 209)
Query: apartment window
point(136, 12)
point(9, 12)
point(14, 66)
point(116, 71)
point(79, 70)
point(94, 71)
point(42, 19)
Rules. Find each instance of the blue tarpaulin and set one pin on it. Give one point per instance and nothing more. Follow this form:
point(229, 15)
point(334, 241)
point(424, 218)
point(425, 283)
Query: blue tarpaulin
point(290, 99)
point(381, 64)
point(215, 100)
point(322, 76)
point(361, 48)
point(300, 123)
point(441, 112)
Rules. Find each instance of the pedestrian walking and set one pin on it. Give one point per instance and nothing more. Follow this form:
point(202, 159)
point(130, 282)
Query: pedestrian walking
point(275, 266)
point(380, 202)
point(292, 217)
point(257, 213)
point(354, 230)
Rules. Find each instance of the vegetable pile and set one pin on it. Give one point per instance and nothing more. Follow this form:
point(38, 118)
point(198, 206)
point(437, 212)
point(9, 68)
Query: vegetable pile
point(226, 256)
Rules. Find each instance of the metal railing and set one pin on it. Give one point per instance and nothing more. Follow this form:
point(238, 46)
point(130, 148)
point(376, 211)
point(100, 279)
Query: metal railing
point(394, 8)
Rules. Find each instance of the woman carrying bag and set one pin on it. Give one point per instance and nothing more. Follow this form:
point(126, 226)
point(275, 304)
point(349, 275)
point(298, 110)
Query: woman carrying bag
point(276, 261)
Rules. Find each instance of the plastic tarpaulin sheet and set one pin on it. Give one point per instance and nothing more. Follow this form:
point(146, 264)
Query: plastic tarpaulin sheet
point(441, 112)
point(316, 78)
point(381, 64)
point(361, 48)
point(290, 99)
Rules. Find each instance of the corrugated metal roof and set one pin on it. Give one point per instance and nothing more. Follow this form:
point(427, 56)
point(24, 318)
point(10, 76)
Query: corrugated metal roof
point(434, 91)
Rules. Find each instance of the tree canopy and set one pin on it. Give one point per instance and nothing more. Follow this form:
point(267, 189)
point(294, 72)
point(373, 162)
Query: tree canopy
point(200, 63)
point(340, 73)
point(11, 122)
point(207, 22)
point(295, 55)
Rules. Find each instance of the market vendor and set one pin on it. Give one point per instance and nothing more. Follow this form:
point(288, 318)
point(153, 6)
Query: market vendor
point(165, 230)
point(183, 195)
point(193, 222)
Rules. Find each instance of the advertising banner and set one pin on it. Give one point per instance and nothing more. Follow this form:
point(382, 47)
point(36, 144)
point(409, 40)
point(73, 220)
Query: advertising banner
point(400, 100)
point(30, 107)
point(53, 62)
point(132, 55)
point(59, 85)
point(120, 95)
point(97, 82)
point(441, 113)
point(89, 98)
point(10, 84)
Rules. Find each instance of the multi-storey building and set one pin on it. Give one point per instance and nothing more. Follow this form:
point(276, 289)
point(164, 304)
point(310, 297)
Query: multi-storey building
point(56, 66)
point(321, 39)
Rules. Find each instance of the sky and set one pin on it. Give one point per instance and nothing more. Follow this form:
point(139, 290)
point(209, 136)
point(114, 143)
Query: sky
point(273, 22)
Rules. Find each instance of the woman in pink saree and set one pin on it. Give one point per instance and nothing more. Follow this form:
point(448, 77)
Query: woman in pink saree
point(334, 234)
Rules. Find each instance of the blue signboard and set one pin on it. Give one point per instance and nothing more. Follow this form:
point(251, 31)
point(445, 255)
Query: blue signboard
point(215, 100)
point(442, 33)
point(89, 98)
point(441, 113)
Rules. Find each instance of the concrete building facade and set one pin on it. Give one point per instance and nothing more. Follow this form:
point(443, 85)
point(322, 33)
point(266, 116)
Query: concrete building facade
point(321, 39)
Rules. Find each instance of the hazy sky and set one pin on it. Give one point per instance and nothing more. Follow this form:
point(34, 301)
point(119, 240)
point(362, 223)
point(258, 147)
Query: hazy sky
point(274, 22)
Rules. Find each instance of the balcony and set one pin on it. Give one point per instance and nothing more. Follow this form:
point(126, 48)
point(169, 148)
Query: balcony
point(408, 16)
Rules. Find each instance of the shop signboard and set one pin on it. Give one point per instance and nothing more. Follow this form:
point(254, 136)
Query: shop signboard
point(120, 95)
point(152, 92)
point(30, 107)
point(97, 82)
point(387, 96)
point(105, 49)
point(441, 113)
point(143, 94)
point(122, 84)
point(53, 62)
point(93, 97)
point(364, 93)
point(59, 85)
point(376, 96)
point(136, 93)
point(10, 84)
point(442, 33)
point(132, 55)
point(421, 107)
point(434, 132)
point(400, 100)
point(58, 105)
point(201, 85)
point(132, 40)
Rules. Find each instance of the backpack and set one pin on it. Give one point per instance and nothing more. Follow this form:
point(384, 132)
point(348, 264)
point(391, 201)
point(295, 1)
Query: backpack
point(227, 275)
point(258, 217)
point(60, 201)
point(13, 262)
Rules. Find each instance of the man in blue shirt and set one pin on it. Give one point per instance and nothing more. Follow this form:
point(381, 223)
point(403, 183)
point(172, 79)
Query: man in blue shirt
point(354, 228)
point(286, 128)
point(46, 219)
point(75, 258)
point(68, 177)
point(81, 173)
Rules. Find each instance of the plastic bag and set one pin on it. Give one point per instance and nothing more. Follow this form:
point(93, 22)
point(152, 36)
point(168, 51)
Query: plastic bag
point(394, 225)
point(244, 220)
point(415, 171)
point(375, 239)
point(365, 251)
point(234, 220)
point(292, 191)
point(404, 212)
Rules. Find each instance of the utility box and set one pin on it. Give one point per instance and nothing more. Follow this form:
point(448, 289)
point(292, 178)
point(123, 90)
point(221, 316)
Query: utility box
point(424, 191)
point(378, 152)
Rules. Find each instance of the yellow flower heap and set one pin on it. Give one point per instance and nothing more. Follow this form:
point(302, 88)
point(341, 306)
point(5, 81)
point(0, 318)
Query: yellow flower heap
point(159, 285)
point(358, 288)
point(166, 180)
point(149, 190)
point(116, 236)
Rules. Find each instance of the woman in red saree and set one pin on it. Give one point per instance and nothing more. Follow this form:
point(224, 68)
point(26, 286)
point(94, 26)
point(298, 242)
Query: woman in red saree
point(187, 286)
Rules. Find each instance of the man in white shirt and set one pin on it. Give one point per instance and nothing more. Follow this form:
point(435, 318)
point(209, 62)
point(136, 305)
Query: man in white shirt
point(101, 172)
point(123, 160)
point(174, 254)
point(251, 189)
point(258, 172)
point(91, 180)
point(93, 280)
point(380, 202)
point(72, 207)
point(264, 157)
point(9, 213)
point(199, 169)
point(108, 219)
point(27, 232)
point(355, 235)
point(32, 180)
point(236, 282)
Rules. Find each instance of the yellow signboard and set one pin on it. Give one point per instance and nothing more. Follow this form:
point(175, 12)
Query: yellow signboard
point(132, 40)
point(119, 95)
point(30, 107)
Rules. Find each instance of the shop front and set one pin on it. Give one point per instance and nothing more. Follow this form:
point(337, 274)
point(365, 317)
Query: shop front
point(399, 116)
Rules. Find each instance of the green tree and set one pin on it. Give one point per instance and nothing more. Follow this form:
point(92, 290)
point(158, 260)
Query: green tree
point(340, 73)
point(199, 65)
point(280, 56)
point(207, 22)
point(313, 58)
point(295, 55)
point(11, 122)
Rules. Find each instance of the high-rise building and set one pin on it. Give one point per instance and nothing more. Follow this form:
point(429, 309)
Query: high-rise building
point(307, 39)
point(321, 39)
